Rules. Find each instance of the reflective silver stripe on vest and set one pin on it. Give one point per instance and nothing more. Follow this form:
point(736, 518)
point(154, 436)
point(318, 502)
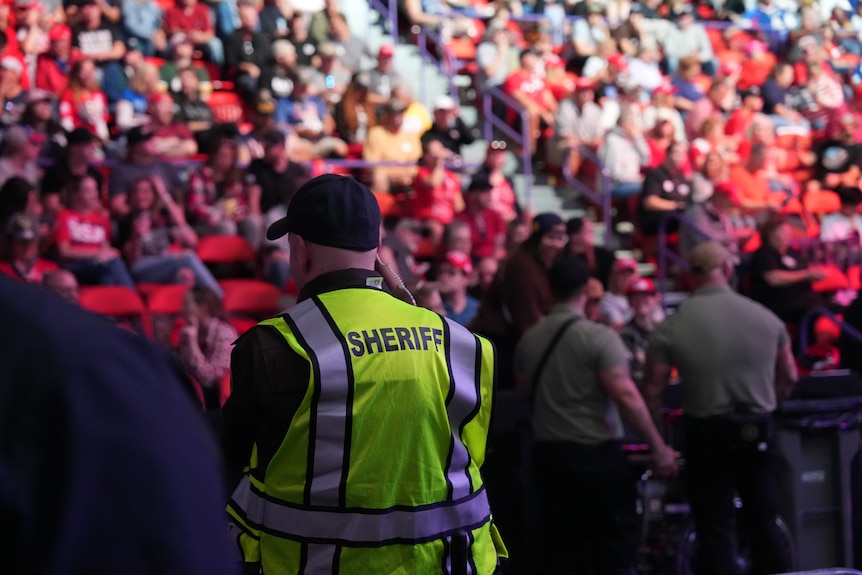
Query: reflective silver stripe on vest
point(332, 405)
point(321, 559)
point(362, 527)
point(462, 362)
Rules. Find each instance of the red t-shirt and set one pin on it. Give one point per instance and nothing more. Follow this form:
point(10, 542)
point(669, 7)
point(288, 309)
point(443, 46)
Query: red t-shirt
point(82, 230)
point(175, 130)
point(49, 76)
point(532, 86)
point(738, 122)
point(436, 203)
point(32, 275)
point(486, 229)
point(755, 73)
point(85, 109)
point(177, 21)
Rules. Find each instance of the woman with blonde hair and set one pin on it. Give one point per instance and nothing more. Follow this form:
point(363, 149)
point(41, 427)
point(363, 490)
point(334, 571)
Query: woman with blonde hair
point(83, 104)
point(132, 105)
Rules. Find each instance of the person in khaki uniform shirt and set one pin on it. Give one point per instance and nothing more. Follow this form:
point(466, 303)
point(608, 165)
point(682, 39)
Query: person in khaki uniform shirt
point(735, 363)
point(577, 372)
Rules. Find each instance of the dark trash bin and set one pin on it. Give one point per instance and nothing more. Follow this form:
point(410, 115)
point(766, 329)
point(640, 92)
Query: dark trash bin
point(819, 442)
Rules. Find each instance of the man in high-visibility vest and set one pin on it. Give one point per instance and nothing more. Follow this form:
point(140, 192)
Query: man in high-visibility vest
point(360, 420)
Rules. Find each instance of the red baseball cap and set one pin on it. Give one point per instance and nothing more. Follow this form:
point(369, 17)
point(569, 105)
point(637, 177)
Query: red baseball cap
point(386, 51)
point(584, 84)
point(665, 89)
point(554, 61)
point(459, 260)
point(729, 190)
point(159, 97)
point(641, 285)
point(60, 32)
point(625, 264)
point(618, 61)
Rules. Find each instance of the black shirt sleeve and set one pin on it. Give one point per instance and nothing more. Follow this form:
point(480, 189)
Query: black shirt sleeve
point(268, 383)
point(652, 184)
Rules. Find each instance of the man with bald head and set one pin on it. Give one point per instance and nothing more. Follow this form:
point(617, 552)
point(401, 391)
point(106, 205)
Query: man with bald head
point(735, 364)
point(62, 283)
point(359, 421)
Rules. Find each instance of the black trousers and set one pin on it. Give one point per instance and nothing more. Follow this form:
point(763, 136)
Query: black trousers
point(719, 464)
point(587, 517)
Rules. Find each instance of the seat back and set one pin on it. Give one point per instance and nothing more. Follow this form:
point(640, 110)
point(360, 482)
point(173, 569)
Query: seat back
point(226, 106)
point(250, 298)
point(116, 302)
point(225, 250)
point(167, 299)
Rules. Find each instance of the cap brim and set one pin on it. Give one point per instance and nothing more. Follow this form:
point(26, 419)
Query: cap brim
point(277, 229)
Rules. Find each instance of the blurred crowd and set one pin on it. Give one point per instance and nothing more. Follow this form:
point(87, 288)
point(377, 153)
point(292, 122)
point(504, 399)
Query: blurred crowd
point(131, 130)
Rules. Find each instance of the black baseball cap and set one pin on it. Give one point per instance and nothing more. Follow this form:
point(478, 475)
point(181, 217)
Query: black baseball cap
point(80, 136)
point(480, 183)
point(274, 138)
point(138, 135)
point(332, 210)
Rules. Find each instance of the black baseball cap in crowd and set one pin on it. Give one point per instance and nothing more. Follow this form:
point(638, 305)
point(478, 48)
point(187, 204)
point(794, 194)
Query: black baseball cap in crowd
point(80, 136)
point(138, 135)
point(332, 210)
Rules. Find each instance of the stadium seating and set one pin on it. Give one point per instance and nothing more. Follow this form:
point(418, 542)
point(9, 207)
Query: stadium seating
point(117, 302)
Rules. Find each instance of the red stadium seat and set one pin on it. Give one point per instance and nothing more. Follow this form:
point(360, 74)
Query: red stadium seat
point(225, 250)
point(251, 298)
point(242, 324)
point(167, 299)
point(226, 106)
point(821, 202)
point(155, 61)
point(834, 281)
point(854, 280)
point(116, 302)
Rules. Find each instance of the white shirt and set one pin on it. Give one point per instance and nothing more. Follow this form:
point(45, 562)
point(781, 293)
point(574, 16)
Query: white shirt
point(837, 226)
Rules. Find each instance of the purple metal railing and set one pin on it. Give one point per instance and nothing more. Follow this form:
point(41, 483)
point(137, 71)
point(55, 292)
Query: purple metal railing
point(389, 9)
point(664, 252)
point(601, 197)
point(493, 121)
point(814, 313)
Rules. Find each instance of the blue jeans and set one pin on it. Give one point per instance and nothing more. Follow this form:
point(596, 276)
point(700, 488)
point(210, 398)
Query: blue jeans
point(111, 272)
point(164, 269)
point(215, 48)
point(113, 80)
point(625, 189)
point(144, 45)
point(226, 17)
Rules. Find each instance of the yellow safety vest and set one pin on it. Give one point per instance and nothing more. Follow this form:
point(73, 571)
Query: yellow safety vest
point(379, 470)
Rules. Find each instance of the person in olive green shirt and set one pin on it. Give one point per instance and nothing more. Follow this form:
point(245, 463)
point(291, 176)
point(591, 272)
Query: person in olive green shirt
point(735, 364)
point(577, 373)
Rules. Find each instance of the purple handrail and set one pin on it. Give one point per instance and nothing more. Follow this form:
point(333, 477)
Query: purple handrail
point(664, 252)
point(493, 121)
point(389, 8)
point(601, 197)
point(816, 312)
